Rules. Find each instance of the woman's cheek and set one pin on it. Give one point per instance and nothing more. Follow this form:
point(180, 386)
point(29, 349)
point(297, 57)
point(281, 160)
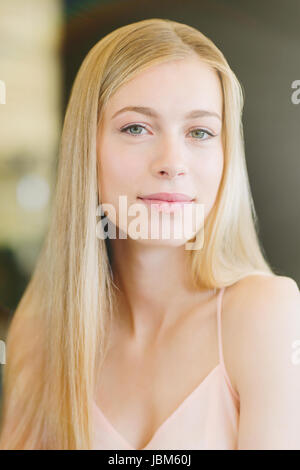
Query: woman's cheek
point(209, 175)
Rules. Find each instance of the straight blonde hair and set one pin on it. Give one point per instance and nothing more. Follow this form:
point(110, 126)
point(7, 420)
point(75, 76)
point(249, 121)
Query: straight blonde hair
point(60, 331)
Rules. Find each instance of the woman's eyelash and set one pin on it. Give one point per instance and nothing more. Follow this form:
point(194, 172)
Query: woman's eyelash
point(203, 130)
point(130, 127)
point(143, 127)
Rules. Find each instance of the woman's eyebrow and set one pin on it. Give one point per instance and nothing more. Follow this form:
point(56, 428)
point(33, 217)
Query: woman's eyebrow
point(152, 113)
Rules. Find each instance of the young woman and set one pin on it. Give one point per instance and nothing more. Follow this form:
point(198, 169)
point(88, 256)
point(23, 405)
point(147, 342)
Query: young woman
point(130, 342)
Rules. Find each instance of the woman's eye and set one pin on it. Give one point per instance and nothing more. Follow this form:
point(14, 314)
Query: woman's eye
point(134, 127)
point(202, 132)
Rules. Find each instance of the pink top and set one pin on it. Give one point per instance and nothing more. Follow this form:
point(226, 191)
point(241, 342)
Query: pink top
point(206, 419)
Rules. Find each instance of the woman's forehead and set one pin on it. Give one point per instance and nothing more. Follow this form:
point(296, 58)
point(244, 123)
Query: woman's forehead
point(177, 86)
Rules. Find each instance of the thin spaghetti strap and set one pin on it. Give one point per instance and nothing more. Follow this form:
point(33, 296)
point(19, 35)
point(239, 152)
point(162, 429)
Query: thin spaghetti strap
point(220, 343)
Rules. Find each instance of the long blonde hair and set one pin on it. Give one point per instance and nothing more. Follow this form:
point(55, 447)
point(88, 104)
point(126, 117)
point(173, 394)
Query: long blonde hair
point(59, 334)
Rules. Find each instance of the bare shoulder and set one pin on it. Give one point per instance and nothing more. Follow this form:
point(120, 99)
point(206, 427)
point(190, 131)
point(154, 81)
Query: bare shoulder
point(255, 291)
point(260, 323)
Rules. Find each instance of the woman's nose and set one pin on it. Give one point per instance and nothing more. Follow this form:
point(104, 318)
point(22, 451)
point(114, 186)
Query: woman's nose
point(170, 159)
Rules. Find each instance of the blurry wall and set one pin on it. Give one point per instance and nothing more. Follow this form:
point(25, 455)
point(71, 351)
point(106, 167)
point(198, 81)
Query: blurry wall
point(30, 122)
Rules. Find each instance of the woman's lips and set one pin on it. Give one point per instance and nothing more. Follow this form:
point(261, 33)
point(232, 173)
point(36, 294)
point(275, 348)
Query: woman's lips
point(168, 197)
point(165, 206)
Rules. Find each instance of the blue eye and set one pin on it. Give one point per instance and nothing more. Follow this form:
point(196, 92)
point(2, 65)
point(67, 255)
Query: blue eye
point(132, 126)
point(202, 131)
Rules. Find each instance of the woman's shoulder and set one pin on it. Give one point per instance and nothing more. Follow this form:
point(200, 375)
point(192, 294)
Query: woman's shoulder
point(260, 294)
point(260, 322)
point(261, 290)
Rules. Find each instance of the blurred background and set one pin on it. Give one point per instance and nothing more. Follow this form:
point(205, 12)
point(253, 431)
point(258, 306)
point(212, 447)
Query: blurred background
point(42, 44)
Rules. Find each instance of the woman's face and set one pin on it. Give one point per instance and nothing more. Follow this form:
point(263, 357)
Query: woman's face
point(172, 144)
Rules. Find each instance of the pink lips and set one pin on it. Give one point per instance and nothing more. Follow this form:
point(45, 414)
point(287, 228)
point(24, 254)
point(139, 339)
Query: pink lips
point(166, 202)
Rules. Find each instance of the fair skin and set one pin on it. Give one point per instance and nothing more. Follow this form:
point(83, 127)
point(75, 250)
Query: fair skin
point(159, 310)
